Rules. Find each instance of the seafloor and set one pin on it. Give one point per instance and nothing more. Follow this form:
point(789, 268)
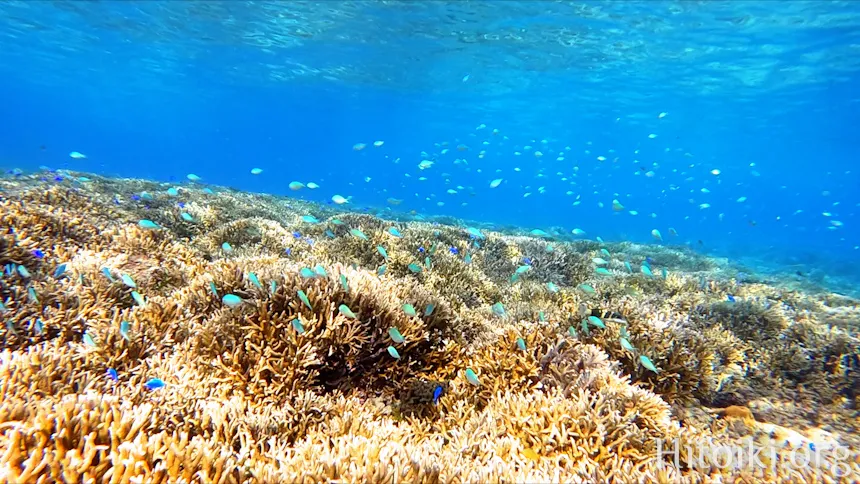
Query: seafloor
point(277, 389)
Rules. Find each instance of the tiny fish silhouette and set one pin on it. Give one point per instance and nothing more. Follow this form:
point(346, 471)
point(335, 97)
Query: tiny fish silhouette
point(437, 393)
point(154, 384)
point(61, 269)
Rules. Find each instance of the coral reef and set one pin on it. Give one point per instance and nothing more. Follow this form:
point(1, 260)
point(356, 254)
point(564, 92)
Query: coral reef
point(204, 335)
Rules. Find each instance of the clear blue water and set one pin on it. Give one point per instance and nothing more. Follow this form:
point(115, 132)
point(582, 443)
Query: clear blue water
point(160, 89)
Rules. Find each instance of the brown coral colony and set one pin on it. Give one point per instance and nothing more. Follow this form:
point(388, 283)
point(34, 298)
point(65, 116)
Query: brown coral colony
point(211, 344)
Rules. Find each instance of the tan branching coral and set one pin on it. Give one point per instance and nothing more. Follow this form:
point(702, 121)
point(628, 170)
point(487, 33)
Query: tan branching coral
point(90, 436)
point(281, 358)
point(276, 344)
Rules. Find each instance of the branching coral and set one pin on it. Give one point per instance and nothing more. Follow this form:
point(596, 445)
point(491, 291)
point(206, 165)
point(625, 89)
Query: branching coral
point(322, 346)
point(277, 343)
point(89, 436)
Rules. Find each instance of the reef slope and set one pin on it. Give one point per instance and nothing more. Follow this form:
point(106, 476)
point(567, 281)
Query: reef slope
point(287, 386)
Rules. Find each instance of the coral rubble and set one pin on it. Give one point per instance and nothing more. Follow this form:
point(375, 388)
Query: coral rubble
point(300, 344)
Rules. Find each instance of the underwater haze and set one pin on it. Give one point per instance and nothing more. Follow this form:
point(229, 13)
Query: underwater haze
point(730, 127)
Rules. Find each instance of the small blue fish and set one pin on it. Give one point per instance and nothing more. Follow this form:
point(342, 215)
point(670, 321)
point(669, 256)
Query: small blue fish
point(107, 274)
point(344, 309)
point(253, 278)
point(596, 322)
point(307, 273)
point(124, 328)
point(527, 261)
point(498, 309)
point(437, 393)
point(112, 374)
point(472, 377)
point(61, 269)
point(304, 298)
point(395, 335)
point(358, 233)
point(288, 251)
point(148, 224)
point(730, 298)
point(231, 300)
point(297, 235)
point(647, 363)
point(154, 384)
point(393, 352)
point(454, 250)
point(421, 249)
point(38, 254)
point(128, 281)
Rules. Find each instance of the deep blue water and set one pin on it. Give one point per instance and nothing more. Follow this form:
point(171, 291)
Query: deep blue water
point(162, 89)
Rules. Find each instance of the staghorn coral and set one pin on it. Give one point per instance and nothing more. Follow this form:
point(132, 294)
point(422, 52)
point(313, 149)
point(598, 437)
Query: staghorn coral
point(251, 398)
point(81, 437)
